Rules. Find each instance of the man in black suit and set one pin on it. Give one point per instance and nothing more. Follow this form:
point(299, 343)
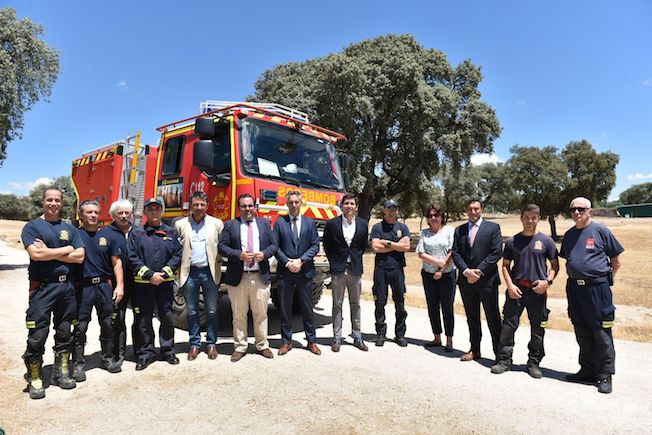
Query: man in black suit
point(345, 239)
point(298, 243)
point(248, 242)
point(477, 247)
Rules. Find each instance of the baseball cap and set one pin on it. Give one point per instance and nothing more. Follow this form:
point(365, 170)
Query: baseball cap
point(391, 203)
point(157, 200)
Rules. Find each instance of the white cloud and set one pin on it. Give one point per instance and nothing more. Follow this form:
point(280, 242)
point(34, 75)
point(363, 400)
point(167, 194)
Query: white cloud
point(521, 103)
point(647, 82)
point(24, 187)
point(639, 176)
point(481, 159)
point(122, 85)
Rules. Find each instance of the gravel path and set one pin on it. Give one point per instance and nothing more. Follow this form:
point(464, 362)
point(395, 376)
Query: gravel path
point(386, 390)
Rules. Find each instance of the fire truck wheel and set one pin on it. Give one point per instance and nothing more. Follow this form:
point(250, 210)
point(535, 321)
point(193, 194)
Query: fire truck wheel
point(180, 311)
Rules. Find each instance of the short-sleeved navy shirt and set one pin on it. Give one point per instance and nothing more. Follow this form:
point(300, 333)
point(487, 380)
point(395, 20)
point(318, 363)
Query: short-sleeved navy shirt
point(529, 255)
point(100, 247)
point(55, 234)
point(587, 251)
point(394, 232)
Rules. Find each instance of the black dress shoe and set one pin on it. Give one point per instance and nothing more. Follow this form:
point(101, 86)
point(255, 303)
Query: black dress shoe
point(401, 341)
point(380, 340)
point(142, 364)
point(433, 343)
point(172, 359)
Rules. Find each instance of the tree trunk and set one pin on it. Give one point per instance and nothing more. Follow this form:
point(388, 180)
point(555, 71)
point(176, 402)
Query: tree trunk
point(553, 227)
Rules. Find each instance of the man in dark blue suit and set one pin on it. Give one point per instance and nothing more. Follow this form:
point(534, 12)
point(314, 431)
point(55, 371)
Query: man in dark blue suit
point(477, 247)
point(248, 243)
point(345, 240)
point(298, 243)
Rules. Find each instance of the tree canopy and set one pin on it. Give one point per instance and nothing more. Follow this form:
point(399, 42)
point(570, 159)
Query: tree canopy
point(28, 69)
point(637, 194)
point(404, 109)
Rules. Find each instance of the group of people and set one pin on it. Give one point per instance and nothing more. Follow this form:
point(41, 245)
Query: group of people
point(72, 270)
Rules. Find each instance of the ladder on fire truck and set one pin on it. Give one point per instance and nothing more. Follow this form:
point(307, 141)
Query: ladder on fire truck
point(209, 105)
point(132, 178)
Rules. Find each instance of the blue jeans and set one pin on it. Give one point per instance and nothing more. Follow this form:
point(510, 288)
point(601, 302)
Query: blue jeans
point(201, 278)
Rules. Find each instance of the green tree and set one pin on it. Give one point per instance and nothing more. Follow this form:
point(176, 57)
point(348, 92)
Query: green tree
point(494, 187)
point(69, 198)
point(28, 69)
point(404, 109)
point(637, 194)
point(540, 177)
point(14, 207)
point(458, 186)
point(592, 174)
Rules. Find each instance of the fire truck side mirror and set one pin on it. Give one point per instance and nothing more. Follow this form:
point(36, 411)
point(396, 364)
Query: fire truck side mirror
point(203, 154)
point(204, 128)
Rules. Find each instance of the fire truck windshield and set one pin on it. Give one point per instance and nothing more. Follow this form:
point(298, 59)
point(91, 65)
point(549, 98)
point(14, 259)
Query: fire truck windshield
point(274, 151)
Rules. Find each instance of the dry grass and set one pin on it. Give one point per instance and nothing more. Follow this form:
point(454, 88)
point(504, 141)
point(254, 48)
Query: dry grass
point(631, 288)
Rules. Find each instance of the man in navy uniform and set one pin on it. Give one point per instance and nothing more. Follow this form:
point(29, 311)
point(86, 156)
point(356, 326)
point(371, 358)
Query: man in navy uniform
point(592, 260)
point(53, 246)
point(298, 243)
point(477, 247)
point(390, 240)
point(95, 289)
point(527, 283)
point(345, 240)
point(154, 255)
point(121, 211)
point(248, 243)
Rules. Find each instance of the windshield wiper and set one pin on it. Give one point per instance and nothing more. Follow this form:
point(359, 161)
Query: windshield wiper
point(318, 184)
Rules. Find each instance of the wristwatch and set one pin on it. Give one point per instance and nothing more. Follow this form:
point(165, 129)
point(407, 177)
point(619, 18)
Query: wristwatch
point(388, 243)
point(549, 281)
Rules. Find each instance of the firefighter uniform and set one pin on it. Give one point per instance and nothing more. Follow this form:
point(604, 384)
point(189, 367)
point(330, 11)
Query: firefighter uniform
point(120, 310)
point(153, 249)
point(529, 255)
point(95, 289)
point(51, 291)
point(590, 306)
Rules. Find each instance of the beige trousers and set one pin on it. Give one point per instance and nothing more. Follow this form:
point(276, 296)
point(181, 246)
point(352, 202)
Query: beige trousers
point(251, 292)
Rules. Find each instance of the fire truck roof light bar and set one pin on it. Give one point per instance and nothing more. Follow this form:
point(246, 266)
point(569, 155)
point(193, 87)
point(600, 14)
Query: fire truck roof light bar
point(123, 142)
point(244, 107)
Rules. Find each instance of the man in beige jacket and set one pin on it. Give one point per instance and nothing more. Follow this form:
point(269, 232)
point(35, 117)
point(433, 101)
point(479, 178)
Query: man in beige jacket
point(200, 267)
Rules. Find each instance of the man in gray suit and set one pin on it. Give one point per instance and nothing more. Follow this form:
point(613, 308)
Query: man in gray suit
point(477, 247)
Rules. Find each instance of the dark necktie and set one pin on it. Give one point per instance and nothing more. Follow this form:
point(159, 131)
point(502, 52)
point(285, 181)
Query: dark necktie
point(295, 232)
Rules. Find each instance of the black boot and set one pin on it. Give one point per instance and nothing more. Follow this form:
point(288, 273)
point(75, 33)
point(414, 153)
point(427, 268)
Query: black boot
point(108, 363)
point(60, 372)
point(34, 379)
point(79, 364)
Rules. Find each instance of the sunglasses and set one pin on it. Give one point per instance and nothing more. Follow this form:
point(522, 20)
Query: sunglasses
point(578, 209)
point(392, 207)
point(432, 215)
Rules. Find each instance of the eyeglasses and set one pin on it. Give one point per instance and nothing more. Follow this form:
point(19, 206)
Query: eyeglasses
point(392, 207)
point(294, 202)
point(432, 215)
point(578, 209)
point(247, 205)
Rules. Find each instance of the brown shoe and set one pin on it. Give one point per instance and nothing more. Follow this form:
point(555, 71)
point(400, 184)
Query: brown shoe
point(285, 348)
point(335, 347)
point(360, 345)
point(470, 355)
point(192, 353)
point(266, 353)
point(312, 347)
point(237, 356)
point(212, 351)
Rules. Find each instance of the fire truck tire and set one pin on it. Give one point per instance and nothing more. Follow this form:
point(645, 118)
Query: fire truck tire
point(180, 310)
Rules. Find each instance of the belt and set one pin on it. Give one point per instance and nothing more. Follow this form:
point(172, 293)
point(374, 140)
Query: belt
point(251, 271)
point(94, 280)
point(60, 278)
point(523, 283)
point(588, 281)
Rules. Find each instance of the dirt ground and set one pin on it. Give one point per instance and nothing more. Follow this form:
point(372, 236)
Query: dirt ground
point(386, 390)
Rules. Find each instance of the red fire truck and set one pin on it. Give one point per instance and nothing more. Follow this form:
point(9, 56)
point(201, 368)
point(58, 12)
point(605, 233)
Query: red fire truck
point(230, 148)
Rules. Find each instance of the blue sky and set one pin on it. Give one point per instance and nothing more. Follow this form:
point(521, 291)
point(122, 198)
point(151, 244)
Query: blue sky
point(554, 71)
